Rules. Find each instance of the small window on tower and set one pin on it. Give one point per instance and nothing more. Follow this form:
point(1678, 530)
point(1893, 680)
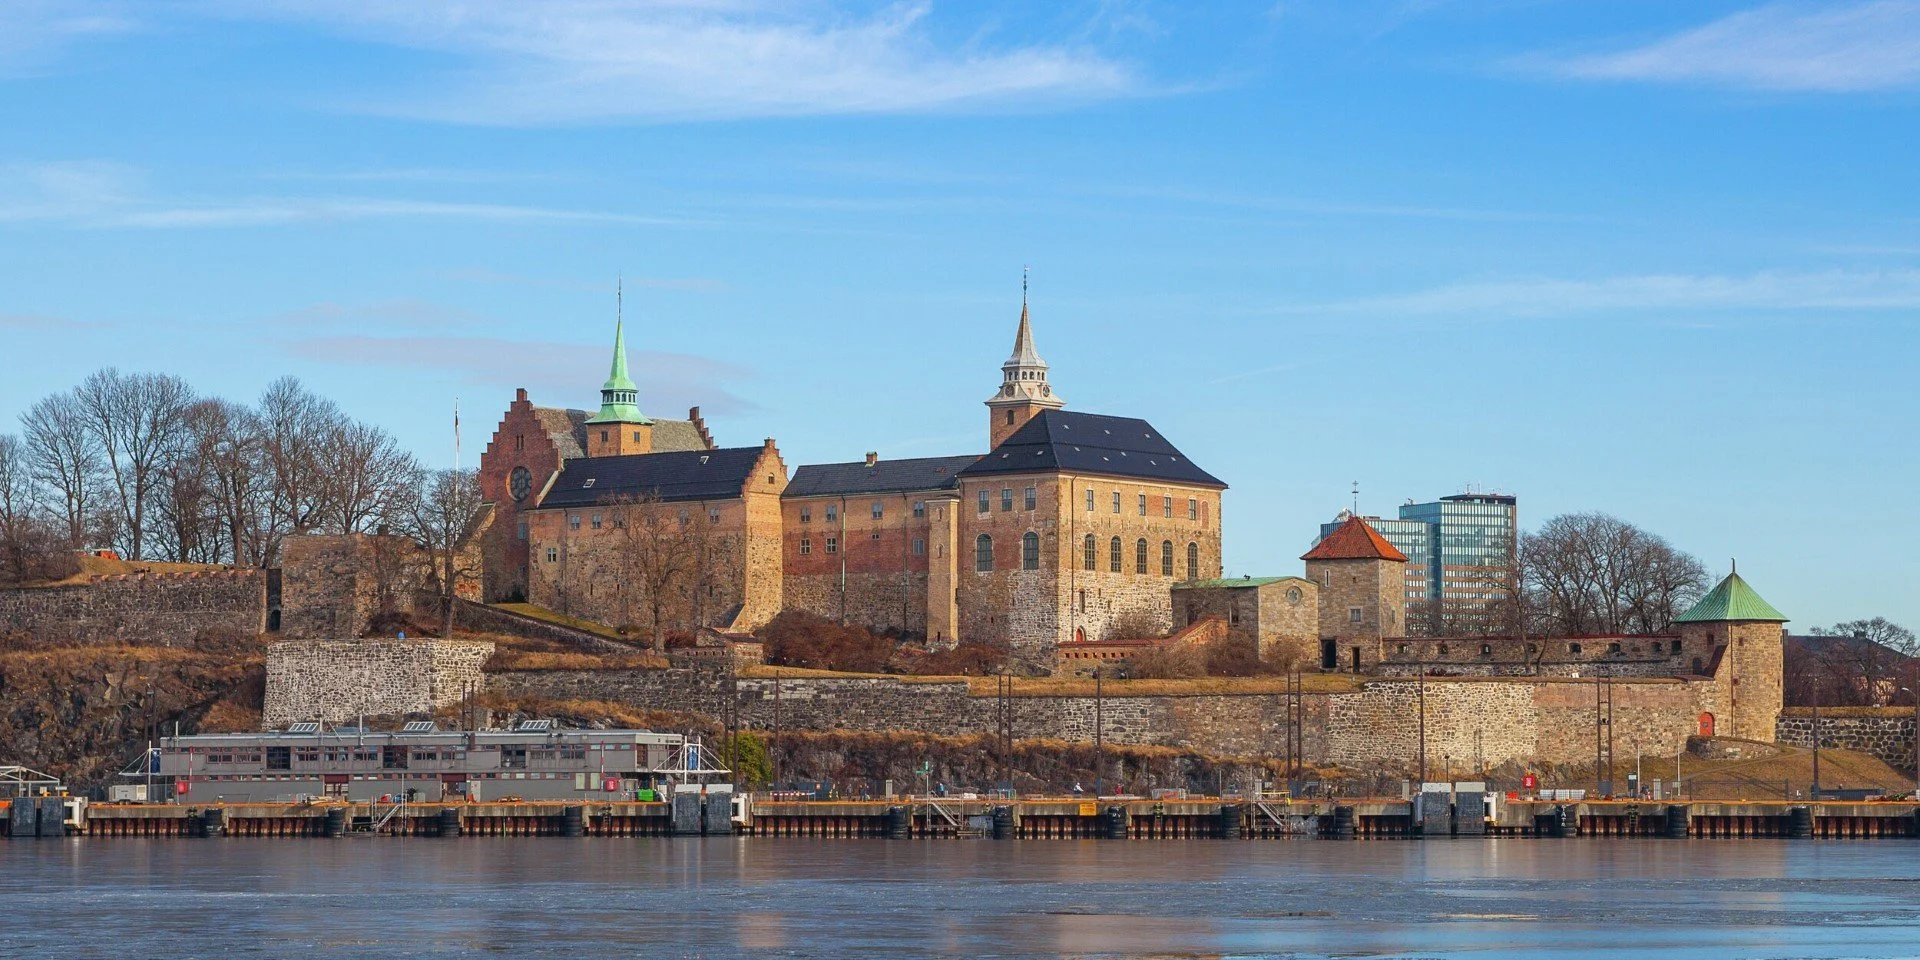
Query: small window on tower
point(603, 436)
point(1089, 501)
point(1166, 506)
point(1009, 418)
point(1353, 614)
point(636, 436)
point(919, 547)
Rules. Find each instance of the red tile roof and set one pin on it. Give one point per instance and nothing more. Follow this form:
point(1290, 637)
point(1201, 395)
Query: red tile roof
point(1355, 540)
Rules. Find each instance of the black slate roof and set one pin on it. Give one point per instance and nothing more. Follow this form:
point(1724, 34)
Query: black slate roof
point(668, 477)
point(1091, 443)
point(885, 476)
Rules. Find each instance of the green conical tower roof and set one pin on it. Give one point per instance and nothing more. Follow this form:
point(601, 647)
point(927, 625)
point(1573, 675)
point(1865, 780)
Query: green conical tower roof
point(619, 396)
point(1731, 600)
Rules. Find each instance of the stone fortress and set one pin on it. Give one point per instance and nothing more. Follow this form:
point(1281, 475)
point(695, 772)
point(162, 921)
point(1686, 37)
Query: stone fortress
point(1077, 539)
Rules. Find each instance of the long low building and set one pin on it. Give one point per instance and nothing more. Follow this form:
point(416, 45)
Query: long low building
point(533, 761)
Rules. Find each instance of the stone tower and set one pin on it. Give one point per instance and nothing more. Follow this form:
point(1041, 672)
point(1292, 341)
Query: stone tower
point(619, 428)
point(1746, 632)
point(1363, 594)
point(1024, 390)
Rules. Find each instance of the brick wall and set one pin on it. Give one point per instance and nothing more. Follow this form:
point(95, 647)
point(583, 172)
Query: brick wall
point(337, 680)
point(138, 609)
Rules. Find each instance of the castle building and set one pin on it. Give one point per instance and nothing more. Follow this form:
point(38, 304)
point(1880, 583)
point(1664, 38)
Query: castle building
point(1071, 527)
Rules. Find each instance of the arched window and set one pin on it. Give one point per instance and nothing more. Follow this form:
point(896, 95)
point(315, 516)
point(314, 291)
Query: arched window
point(1113, 559)
point(1092, 553)
point(1029, 551)
point(983, 553)
point(1140, 555)
point(1166, 558)
point(1193, 561)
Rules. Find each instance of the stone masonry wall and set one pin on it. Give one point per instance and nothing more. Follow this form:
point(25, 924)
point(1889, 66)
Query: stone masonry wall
point(336, 680)
point(139, 609)
point(1374, 727)
point(1887, 734)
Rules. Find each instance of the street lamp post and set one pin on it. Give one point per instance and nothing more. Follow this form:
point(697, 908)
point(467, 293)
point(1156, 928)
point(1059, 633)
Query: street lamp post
point(1099, 745)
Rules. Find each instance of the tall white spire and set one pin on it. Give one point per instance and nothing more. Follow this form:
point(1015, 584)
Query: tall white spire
point(1023, 378)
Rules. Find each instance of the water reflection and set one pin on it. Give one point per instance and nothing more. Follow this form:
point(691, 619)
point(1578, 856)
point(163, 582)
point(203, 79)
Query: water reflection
point(1696, 900)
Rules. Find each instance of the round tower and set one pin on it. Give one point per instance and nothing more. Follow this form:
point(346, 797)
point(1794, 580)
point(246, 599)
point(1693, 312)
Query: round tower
point(1746, 634)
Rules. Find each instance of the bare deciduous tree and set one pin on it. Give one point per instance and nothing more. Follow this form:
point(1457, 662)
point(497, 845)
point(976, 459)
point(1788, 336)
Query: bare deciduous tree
point(1589, 573)
point(31, 548)
point(138, 420)
point(63, 458)
point(441, 517)
point(361, 470)
point(659, 552)
point(293, 424)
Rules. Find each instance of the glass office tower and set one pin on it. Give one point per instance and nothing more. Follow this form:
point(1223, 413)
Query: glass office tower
point(1458, 547)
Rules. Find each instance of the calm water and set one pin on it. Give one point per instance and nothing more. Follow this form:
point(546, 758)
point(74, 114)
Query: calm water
point(606, 898)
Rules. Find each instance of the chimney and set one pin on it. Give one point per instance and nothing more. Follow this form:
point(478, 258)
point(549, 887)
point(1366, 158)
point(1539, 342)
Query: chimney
point(871, 457)
point(520, 395)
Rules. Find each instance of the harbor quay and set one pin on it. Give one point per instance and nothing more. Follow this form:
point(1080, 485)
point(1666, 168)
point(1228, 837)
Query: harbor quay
point(723, 813)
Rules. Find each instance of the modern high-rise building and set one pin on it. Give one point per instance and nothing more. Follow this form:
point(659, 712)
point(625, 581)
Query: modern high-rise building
point(1458, 548)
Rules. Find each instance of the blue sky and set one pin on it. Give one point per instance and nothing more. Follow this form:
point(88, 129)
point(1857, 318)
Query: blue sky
point(1654, 259)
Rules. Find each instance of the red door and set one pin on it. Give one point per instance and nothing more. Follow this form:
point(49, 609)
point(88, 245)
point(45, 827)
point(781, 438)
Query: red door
point(1706, 724)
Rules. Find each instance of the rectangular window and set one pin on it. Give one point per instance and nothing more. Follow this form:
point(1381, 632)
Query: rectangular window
point(878, 510)
point(1116, 501)
point(806, 514)
point(919, 509)
point(1166, 506)
point(1089, 501)
point(806, 545)
point(596, 521)
point(1006, 499)
point(1193, 509)
point(1143, 504)
point(523, 530)
point(1033, 497)
point(279, 758)
point(833, 544)
point(713, 514)
point(983, 500)
point(919, 547)
point(833, 512)
point(573, 521)
point(1353, 614)
point(553, 556)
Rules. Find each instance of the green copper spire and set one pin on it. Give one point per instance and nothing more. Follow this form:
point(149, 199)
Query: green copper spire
point(619, 396)
point(1731, 600)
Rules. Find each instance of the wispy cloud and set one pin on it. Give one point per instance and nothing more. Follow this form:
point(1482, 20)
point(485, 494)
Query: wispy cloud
point(581, 61)
point(1829, 48)
point(1548, 297)
point(29, 322)
point(34, 32)
point(552, 372)
point(93, 193)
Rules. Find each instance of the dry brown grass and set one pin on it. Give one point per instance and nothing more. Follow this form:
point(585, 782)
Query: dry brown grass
point(92, 566)
point(1855, 712)
point(543, 660)
point(561, 619)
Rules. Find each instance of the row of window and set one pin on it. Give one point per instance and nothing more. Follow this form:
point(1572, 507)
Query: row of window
point(832, 545)
point(1090, 555)
point(597, 521)
point(879, 509)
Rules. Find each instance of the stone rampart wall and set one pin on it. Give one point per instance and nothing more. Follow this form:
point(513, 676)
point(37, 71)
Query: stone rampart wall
point(1377, 726)
point(1887, 735)
point(336, 680)
point(139, 609)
